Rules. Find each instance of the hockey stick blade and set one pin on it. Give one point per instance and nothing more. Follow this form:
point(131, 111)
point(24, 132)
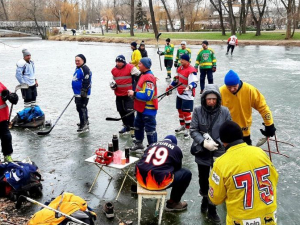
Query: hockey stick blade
point(112, 119)
point(158, 36)
point(44, 132)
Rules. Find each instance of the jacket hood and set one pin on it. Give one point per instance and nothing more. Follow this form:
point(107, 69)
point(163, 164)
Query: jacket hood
point(211, 89)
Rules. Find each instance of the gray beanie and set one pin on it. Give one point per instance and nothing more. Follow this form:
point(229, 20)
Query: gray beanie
point(25, 52)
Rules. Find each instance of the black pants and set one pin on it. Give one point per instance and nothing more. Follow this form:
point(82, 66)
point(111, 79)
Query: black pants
point(248, 140)
point(5, 137)
point(29, 96)
point(210, 77)
point(124, 106)
point(182, 179)
point(81, 108)
point(203, 173)
point(230, 47)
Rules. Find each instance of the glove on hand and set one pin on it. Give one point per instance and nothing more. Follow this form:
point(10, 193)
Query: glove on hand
point(269, 130)
point(83, 93)
point(176, 64)
point(210, 145)
point(13, 98)
point(5, 95)
point(168, 88)
point(160, 53)
point(113, 85)
point(214, 69)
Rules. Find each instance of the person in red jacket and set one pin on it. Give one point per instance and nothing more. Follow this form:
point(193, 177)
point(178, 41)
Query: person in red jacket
point(187, 76)
point(5, 134)
point(122, 82)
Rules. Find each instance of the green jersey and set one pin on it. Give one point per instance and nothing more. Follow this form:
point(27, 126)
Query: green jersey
point(206, 59)
point(181, 52)
point(169, 50)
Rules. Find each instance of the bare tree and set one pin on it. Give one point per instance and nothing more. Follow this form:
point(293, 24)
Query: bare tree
point(180, 12)
point(257, 17)
point(218, 7)
point(153, 18)
point(243, 16)
point(4, 9)
point(131, 17)
point(168, 15)
point(291, 8)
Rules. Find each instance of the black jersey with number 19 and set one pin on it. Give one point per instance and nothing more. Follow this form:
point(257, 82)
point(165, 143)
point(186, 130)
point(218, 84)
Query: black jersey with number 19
point(155, 170)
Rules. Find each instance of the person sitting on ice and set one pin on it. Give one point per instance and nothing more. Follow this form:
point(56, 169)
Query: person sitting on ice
point(161, 167)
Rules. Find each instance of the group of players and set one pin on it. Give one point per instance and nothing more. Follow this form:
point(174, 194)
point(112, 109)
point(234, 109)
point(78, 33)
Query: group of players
point(242, 175)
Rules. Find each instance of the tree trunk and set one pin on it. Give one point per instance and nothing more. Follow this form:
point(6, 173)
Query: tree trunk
point(167, 29)
point(153, 18)
point(219, 9)
point(107, 24)
point(168, 14)
point(181, 15)
point(242, 16)
point(132, 17)
point(245, 19)
point(231, 18)
point(4, 10)
point(258, 28)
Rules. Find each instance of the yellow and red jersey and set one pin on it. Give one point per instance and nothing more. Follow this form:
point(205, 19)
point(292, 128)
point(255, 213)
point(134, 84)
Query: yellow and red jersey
point(240, 106)
point(155, 170)
point(245, 178)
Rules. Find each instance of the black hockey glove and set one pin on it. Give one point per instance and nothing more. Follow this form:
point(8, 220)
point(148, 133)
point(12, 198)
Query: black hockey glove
point(214, 69)
point(176, 64)
point(269, 130)
point(160, 53)
point(13, 98)
point(5, 95)
point(83, 93)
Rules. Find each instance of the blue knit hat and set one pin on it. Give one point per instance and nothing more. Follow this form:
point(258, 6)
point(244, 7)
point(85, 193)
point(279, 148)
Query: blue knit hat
point(185, 57)
point(171, 138)
point(121, 58)
point(146, 62)
point(231, 78)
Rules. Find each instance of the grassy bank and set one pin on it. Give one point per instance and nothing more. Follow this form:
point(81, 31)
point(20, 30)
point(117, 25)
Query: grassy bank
point(207, 36)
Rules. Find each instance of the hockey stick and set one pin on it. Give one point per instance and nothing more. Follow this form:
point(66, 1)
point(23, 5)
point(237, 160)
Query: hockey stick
point(22, 198)
point(48, 131)
point(20, 86)
point(158, 49)
point(128, 114)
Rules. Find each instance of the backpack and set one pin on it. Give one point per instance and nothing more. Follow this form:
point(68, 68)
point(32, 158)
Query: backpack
point(17, 178)
point(28, 114)
point(67, 203)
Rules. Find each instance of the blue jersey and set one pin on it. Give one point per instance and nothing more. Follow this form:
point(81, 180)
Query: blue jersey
point(82, 78)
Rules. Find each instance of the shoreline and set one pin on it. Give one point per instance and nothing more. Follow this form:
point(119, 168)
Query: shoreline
point(152, 41)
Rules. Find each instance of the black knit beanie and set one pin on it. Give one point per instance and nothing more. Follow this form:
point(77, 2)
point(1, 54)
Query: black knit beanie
point(230, 132)
point(82, 57)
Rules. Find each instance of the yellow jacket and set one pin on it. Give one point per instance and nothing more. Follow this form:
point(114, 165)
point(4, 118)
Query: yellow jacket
point(245, 178)
point(135, 58)
point(240, 106)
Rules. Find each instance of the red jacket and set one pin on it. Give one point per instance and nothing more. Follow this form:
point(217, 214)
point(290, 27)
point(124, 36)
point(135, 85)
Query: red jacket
point(183, 77)
point(4, 112)
point(123, 79)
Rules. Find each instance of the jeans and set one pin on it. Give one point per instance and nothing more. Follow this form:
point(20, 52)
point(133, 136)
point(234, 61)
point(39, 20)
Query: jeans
point(5, 137)
point(210, 78)
point(124, 106)
point(81, 108)
point(180, 183)
point(148, 123)
point(203, 173)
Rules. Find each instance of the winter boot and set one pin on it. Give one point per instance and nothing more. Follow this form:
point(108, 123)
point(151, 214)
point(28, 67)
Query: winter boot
point(204, 204)
point(186, 134)
point(124, 130)
point(175, 206)
point(8, 158)
point(212, 214)
point(180, 129)
point(108, 209)
point(137, 146)
point(83, 128)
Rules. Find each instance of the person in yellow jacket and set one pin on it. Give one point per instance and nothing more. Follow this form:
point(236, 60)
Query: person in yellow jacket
point(245, 179)
point(240, 97)
point(136, 55)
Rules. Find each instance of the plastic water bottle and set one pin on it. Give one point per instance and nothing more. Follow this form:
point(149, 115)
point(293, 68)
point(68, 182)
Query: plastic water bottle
point(115, 142)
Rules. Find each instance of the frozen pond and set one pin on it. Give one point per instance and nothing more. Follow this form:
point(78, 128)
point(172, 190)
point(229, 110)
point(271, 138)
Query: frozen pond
point(61, 154)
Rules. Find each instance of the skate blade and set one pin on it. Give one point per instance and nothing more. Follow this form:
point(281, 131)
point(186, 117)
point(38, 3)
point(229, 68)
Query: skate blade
point(84, 131)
